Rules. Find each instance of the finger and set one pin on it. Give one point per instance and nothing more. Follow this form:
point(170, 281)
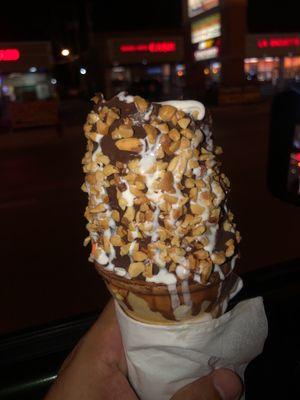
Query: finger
point(102, 342)
point(104, 319)
point(222, 384)
point(81, 383)
point(69, 358)
point(86, 373)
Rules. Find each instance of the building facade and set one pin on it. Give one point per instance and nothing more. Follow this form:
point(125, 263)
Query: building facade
point(146, 63)
point(222, 52)
point(27, 88)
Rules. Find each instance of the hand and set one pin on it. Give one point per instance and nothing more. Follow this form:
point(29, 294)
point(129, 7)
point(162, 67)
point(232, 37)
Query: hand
point(96, 370)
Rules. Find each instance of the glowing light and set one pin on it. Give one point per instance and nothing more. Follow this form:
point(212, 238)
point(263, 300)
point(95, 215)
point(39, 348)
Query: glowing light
point(206, 54)
point(82, 71)
point(32, 69)
point(292, 41)
point(180, 73)
point(206, 44)
point(65, 52)
point(196, 7)
point(216, 64)
point(9, 54)
point(151, 47)
point(206, 28)
point(206, 71)
point(180, 67)
point(53, 81)
point(118, 69)
point(251, 60)
point(296, 156)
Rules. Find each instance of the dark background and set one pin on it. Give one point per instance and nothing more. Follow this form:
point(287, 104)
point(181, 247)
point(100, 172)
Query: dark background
point(37, 21)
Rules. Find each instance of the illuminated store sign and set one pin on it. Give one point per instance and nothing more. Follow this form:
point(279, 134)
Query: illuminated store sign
point(9, 55)
point(207, 49)
point(206, 28)
point(264, 43)
point(151, 47)
point(196, 7)
point(206, 54)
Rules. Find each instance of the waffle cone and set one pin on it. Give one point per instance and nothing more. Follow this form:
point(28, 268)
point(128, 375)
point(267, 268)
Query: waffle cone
point(159, 304)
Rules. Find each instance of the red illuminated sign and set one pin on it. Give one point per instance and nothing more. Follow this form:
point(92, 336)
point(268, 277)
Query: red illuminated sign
point(278, 42)
point(296, 156)
point(9, 54)
point(151, 47)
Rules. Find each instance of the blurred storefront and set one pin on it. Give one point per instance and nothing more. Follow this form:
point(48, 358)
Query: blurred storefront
point(229, 59)
point(206, 38)
point(273, 58)
point(27, 88)
point(215, 32)
point(146, 63)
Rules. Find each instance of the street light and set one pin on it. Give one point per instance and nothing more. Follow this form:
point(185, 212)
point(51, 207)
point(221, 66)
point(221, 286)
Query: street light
point(65, 52)
point(82, 71)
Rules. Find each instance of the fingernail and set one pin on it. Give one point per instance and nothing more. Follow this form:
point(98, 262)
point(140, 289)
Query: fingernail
point(228, 384)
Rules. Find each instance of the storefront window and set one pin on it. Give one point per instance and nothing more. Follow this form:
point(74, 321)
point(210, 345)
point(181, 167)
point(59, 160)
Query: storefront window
point(153, 81)
point(262, 69)
point(292, 68)
point(120, 78)
point(26, 87)
point(213, 72)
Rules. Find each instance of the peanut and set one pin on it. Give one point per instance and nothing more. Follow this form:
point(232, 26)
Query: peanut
point(136, 269)
point(184, 123)
point(166, 112)
point(141, 104)
point(130, 144)
point(139, 256)
point(102, 127)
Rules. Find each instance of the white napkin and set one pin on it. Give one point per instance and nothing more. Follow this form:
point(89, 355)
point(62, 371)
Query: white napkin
point(163, 359)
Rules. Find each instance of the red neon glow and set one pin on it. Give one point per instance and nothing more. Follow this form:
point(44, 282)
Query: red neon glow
point(278, 42)
point(297, 157)
point(9, 54)
point(152, 47)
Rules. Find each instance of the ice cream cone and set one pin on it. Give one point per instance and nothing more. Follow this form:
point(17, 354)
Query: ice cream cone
point(160, 304)
point(162, 235)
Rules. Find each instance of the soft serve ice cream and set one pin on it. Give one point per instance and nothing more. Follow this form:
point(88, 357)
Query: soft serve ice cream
point(157, 214)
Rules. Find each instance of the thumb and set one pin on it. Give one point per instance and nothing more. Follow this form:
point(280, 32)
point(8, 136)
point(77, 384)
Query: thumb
point(222, 384)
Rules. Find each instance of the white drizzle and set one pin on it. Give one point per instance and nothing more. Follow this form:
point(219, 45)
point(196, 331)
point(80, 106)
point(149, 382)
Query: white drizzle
point(126, 98)
point(232, 262)
point(182, 272)
point(219, 270)
point(175, 302)
point(188, 106)
point(163, 276)
point(148, 113)
point(127, 195)
point(212, 237)
point(120, 271)
point(186, 293)
point(102, 258)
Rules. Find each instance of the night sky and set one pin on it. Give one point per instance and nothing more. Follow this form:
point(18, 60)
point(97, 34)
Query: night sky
point(32, 20)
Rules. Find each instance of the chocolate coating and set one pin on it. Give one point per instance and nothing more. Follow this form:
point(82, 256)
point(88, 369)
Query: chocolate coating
point(157, 199)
